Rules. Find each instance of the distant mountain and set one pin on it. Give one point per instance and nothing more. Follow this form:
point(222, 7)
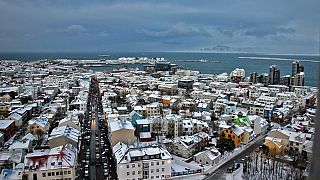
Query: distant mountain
point(223, 48)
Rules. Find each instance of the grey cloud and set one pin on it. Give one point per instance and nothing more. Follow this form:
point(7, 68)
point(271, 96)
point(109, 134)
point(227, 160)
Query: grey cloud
point(268, 31)
point(103, 34)
point(75, 28)
point(179, 30)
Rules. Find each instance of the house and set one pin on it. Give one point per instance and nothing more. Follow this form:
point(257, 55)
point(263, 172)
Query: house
point(151, 162)
point(50, 164)
point(41, 123)
point(71, 120)
point(153, 109)
point(173, 125)
point(234, 132)
point(10, 158)
point(4, 109)
point(276, 146)
point(187, 146)
point(294, 140)
point(121, 131)
point(248, 134)
point(79, 104)
point(209, 157)
point(22, 112)
point(8, 128)
point(17, 119)
point(12, 174)
point(143, 130)
point(134, 117)
point(64, 135)
point(260, 124)
point(142, 110)
point(186, 127)
point(23, 145)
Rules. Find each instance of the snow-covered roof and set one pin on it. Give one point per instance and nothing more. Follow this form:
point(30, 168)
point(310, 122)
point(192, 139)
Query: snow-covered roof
point(237, 130)
point(66, 131)
point(125, 154)
point(56, 158)
point(120, 124)
point(143, 121)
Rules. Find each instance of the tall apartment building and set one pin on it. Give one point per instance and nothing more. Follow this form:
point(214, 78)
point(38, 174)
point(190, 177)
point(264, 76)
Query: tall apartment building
point(274, 75)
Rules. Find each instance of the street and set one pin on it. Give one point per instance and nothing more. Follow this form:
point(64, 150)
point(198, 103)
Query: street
point(220, 173)
point(96, 154)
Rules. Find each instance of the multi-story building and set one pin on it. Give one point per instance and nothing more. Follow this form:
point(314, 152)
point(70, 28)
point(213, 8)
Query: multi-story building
point(274, 75)
point(64, 135)
point(152, 162)
point(51, 164)
point(121, 131)
point(186, 146)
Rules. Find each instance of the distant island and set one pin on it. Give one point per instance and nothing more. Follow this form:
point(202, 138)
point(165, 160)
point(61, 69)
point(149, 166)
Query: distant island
point(223, 48)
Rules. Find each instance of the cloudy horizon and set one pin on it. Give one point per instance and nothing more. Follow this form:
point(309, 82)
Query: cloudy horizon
point(271, 26)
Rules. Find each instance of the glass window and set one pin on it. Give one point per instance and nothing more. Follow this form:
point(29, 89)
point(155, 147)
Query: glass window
point(151, 163)
point(158, 163)
point(127, 165)
point(133, 165)
point(162, 169)
point(44, 174)
point(133, 173)
point(128, 173)
point(49, 173)
point(157, 170)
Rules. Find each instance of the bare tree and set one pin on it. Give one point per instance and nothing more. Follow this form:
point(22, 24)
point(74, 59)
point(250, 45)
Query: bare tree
point(39, 133)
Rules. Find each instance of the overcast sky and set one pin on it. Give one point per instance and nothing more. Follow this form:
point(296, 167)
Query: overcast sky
point(278, 26)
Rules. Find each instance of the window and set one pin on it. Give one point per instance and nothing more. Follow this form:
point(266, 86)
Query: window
point(65, 172)
point(57, 173)
point(133, 165)
point(158, 163)
point(157, 177)
point(157, 170)
point(152, 177)
point(49, 173)
point(139, 172)
point(69, 172)
point(162, 169)
point(139, 164)
point(128, 173)
point(44, 174)
point(133, 173)
point(127, 165)
point(59, 163)
point(162, 162)
point(151, 163)
point(52, 164)
point(151, 170)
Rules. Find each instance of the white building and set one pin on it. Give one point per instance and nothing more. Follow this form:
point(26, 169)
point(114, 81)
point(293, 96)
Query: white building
point(153, 162)
point(260, 124)
point(51, 164)
point(64, 135)
point(208, 157)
